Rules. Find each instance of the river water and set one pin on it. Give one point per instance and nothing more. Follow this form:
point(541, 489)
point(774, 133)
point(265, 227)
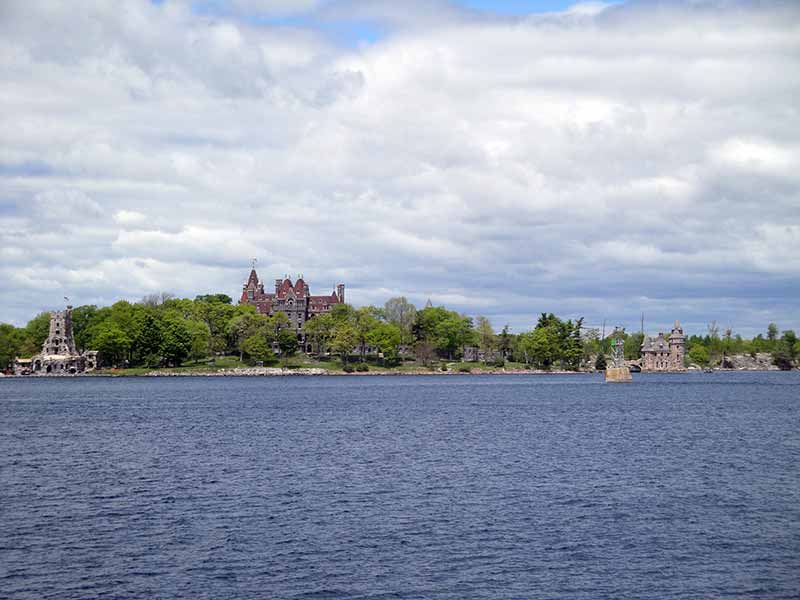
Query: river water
point(679, 486)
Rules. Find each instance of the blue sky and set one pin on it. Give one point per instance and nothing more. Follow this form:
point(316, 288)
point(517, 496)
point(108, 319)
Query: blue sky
point(646, 160)
point(352, 31)
point(516, 7)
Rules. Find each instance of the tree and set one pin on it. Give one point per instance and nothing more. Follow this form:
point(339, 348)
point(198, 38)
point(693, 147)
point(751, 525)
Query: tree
point(365, 321)
point(600, 362)
point(453, 333)
point(342, 313)
point(148, 338)
point(344, 340)
point(214, 299)
point(176, 342)
point(402, 313)
point(112, 343)
point(11, 340)
point(287, 343)
point(772, 332)
point(553, 341)
point(786, 351)
point(200, 339)
point(217, 315)
point(277, 323)
point(425, 352)
point(318, 331)
point(244, 325)
point(633, 346)
point(83, 317)
point(36, 332)
point(544, 347)
point(505, 342)
point(487, 340)
point(256, 347)
point(154, 300)
point(387, 337)
point(699, 355)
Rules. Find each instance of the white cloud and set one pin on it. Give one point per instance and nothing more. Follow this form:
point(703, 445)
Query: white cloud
point(606, 160)
point(129, 217)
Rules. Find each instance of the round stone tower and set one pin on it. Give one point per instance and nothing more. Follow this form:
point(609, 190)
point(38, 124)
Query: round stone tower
point(677, 347)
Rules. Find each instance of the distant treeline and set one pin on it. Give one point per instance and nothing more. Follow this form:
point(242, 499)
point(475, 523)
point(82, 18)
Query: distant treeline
point(161, 330)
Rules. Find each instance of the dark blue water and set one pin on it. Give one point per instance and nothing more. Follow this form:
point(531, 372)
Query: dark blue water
point(430, 487)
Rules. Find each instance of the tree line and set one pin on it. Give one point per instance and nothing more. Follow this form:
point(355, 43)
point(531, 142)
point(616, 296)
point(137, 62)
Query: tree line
point(161, 330)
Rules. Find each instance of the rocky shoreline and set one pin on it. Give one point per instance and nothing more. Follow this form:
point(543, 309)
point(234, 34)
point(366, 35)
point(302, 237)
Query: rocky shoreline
point(313, 372)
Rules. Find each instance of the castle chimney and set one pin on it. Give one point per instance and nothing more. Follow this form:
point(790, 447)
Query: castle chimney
point(340, 292)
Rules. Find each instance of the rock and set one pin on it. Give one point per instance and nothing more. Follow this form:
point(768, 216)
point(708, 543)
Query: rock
point(618, 375)
point(762, 361)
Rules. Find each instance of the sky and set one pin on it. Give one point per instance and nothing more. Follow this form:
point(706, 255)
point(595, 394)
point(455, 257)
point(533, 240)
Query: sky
point(596, 160)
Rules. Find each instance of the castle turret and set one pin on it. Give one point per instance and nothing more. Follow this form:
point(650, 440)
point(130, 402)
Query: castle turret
point(677, 347)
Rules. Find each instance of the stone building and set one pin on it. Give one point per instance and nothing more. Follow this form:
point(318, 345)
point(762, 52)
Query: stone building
point(292, 299)
point(59, 355)
point(663, 353)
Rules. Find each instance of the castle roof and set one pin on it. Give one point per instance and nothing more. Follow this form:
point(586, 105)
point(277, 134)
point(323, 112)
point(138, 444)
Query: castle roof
point(655, 344)
point(253, 279)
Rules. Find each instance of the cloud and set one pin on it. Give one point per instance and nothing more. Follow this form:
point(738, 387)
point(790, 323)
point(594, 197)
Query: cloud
point(600, 162)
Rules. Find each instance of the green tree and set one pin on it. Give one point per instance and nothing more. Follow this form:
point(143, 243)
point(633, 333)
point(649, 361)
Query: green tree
point(387, 337)
point(453, 333)
point(36, 332)
point(112, 343)
point(402, 313)
point(344, 340)
point(319, 331)
point(505, 342)
point(287, 343)
point(11, 340)
point(487, 340)
point(245, 325)
point(83, 317)
point(699, 354)
point(772, 332)
point(600, 362)
point(148, 339)
point(200, 335)
point(366, 319)
point(214, 299)
point(633, 346)
point(257, 347)
point(176, 341)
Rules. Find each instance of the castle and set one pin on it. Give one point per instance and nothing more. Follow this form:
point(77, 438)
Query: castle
point(292, 299)
point(665, 354)
point(59, 355)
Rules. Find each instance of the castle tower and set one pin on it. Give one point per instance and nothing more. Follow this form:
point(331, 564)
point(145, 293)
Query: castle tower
point(60, 340)
point(251, 287)
point(677, 347)
point(340, 292)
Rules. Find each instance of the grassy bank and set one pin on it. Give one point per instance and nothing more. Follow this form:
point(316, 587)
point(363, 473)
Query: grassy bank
point(334, 367)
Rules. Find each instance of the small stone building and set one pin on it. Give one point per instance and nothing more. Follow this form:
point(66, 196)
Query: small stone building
point(59, 355)
point(663, 353)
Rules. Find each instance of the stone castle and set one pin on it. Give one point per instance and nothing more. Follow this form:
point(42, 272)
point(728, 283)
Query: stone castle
point(663, 353)
point(292, 299)
point(59, 355)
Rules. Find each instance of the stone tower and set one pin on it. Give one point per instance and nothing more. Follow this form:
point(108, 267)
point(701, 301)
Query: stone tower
point(677, 347)
point(60, 340)
point(59, 355)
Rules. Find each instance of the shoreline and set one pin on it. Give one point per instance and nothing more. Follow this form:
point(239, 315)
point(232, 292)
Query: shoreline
point(314, 372)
